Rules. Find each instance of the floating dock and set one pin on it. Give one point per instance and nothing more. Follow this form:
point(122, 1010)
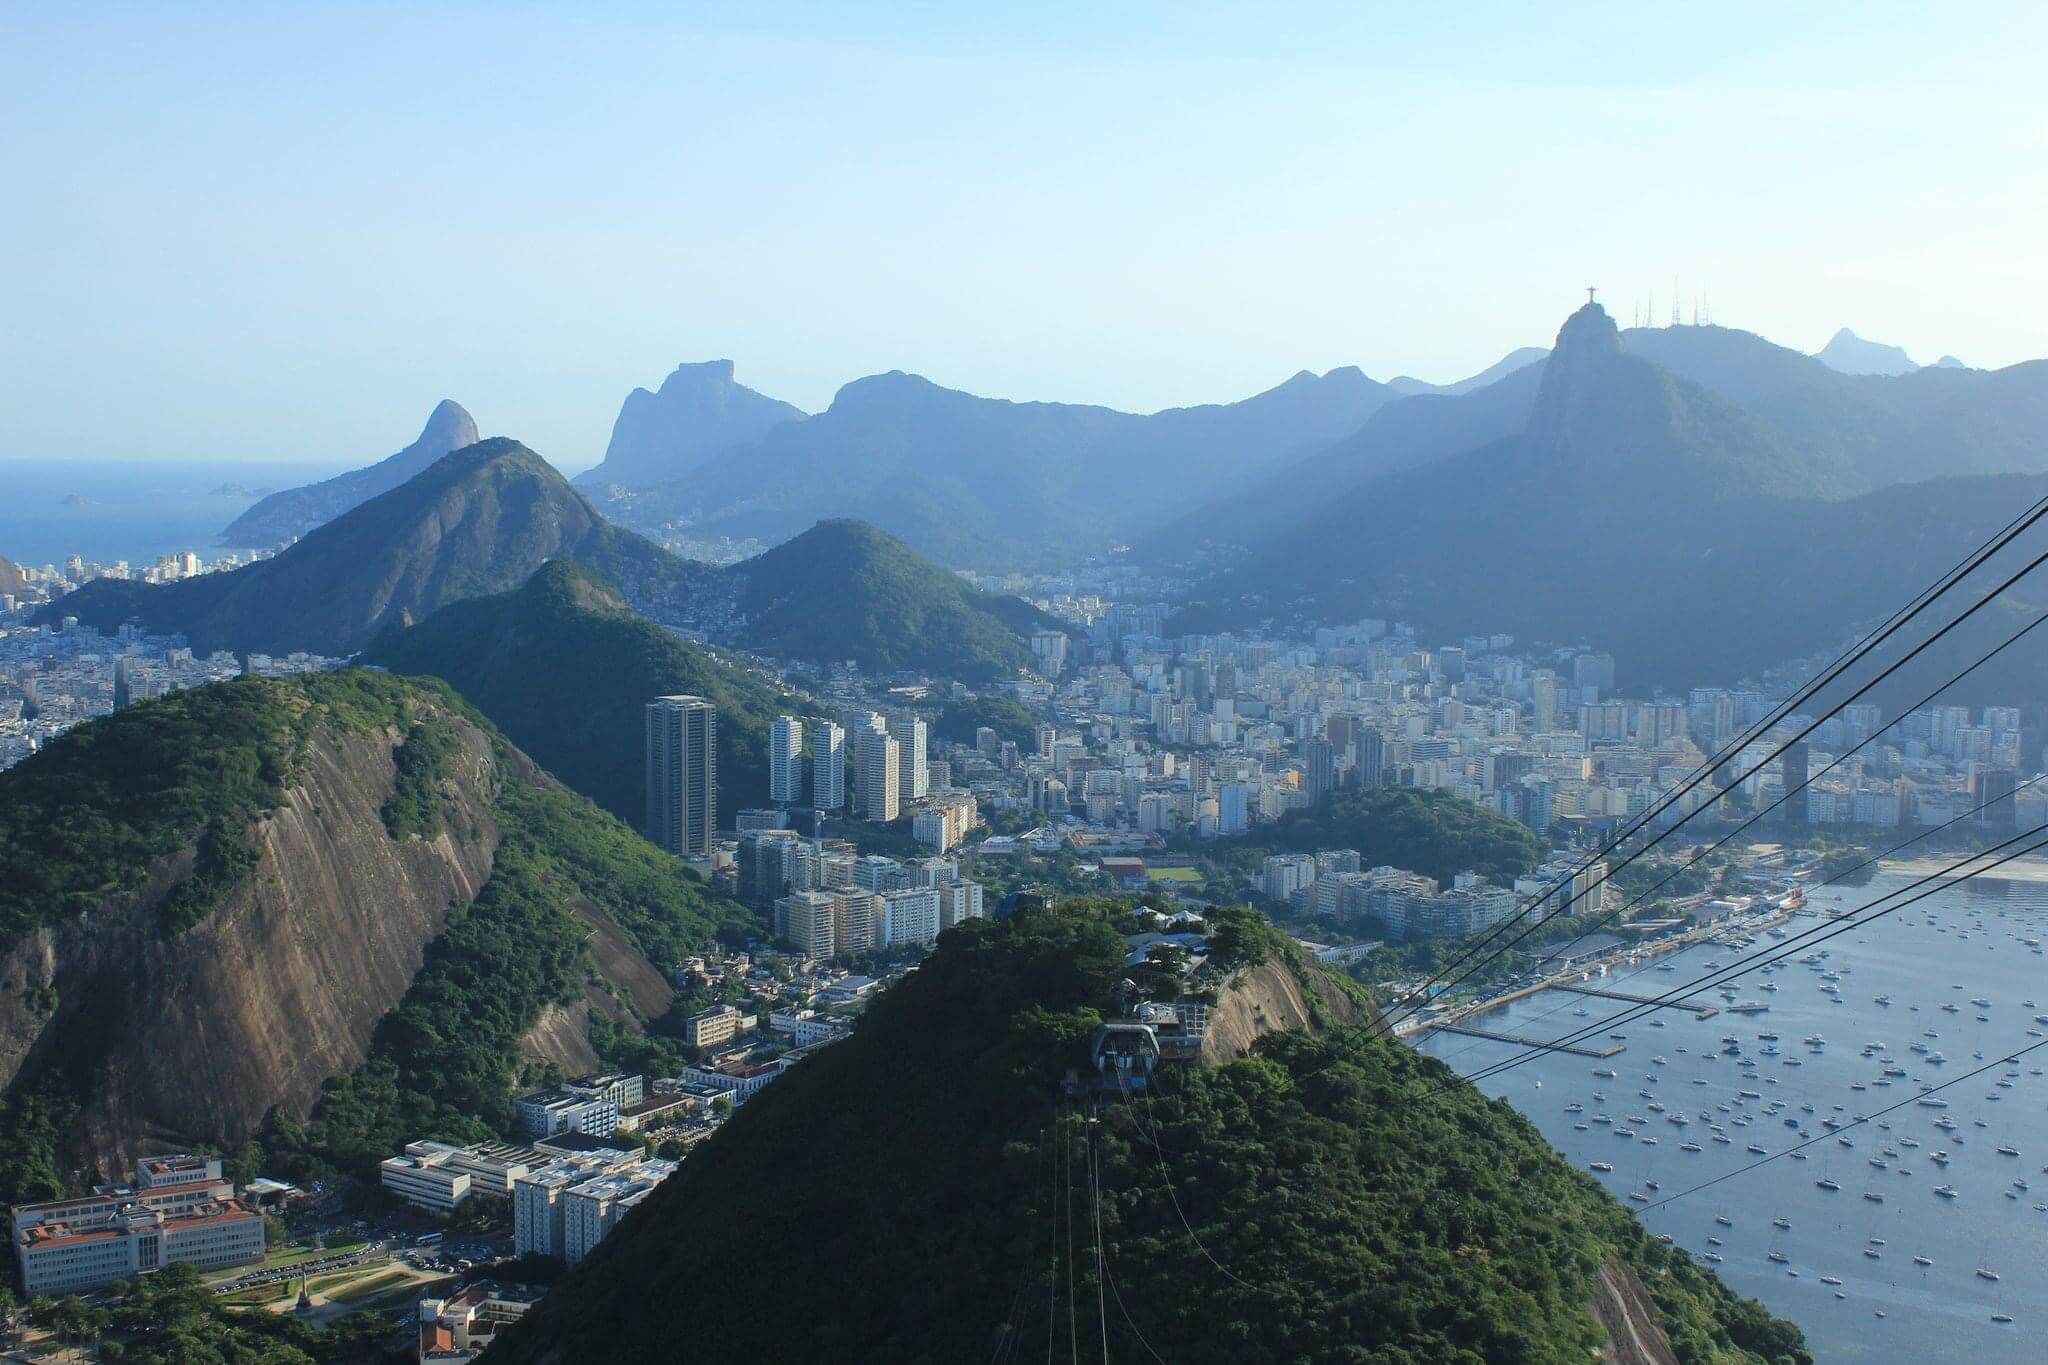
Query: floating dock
point(1702, 1011)
point(1575, 1049)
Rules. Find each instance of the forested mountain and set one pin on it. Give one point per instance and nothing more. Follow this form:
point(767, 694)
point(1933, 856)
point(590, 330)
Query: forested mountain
point(1671, 521)
point(565, 668)
point(698, 414)
point(977, 481)
point(844, 590)
point(478, 521)
point(295, 511)
point(339, 909)
point(1330, 1196)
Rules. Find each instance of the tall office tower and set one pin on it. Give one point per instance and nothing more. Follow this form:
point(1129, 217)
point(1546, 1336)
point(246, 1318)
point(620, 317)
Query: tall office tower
point(1993, 790)
point(124, 684)
point(879, 760)
point(682, 775)
point(1792, 763)
point(1047, 737)
point(1319, 768)
point(1371, 752)
point(912, 776)
point(786, 761)
point(828, 766)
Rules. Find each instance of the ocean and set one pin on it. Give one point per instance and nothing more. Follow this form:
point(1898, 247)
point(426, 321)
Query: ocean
point(1966, 942)
point(132, 510)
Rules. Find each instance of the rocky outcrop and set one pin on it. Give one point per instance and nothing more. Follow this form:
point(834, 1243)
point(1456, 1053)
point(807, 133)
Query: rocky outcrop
point(191, 1039)
point(1270, 998)
point(1635, 1329)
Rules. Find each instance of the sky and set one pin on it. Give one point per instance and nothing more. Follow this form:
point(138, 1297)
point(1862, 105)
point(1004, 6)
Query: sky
point(284, 231)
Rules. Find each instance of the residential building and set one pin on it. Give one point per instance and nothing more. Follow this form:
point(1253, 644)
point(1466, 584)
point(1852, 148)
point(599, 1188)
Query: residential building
point(567, 1208)
point(828, 767)
point(913, 775)
point(878, 759)
point(807, 919)
point(709, 1028)
point(786, 761)
point(910, 918)
point(682, 774)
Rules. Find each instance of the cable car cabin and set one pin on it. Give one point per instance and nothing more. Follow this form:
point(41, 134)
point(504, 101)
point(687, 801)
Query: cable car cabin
point(1124, 1056)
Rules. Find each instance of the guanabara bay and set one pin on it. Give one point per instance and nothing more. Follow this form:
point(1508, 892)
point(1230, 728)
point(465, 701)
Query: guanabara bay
point(1149, 684)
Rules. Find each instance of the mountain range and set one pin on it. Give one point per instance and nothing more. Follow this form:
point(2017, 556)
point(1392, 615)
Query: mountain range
point(481, 522)
point(478, 521)
point(969, 480)
point(286, 515)
point(1699, 500)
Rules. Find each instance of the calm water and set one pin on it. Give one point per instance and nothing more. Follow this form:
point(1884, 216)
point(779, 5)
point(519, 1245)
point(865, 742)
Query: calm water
point(1969, 936)
point(135, 510)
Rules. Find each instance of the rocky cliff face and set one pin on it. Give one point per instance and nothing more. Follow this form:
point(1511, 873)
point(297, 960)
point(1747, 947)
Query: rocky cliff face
point(192, 1039)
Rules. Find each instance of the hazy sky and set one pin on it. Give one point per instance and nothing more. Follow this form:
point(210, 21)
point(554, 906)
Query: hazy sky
point(286, 230)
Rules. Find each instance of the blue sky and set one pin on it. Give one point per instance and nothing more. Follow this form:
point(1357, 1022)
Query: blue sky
point(286, 230)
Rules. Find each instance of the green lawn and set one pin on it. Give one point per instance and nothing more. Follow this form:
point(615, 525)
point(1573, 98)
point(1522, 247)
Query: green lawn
point(1174, 874)
point(371, 1287)
point(262, 1293)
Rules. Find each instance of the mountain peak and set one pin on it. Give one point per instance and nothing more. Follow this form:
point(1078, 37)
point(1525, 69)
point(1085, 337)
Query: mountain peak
point(699, 413)
point(1852, 354)
point(1589, 331)
point(449, 426)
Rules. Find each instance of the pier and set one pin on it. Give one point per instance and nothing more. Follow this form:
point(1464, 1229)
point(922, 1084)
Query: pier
point(1701, 1011)
point(1575, 1049)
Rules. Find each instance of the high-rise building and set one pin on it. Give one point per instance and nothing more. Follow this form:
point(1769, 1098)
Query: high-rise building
point(1318, 768)
point(682, 775)
point(828, 767)
point(1543, 700)
point(1233, 808)
point(1792, 764)
point(912, 776)
point(1370, 752)
point(807, 919)
point(1993, 789)
point(879, 760)
point(786, 761)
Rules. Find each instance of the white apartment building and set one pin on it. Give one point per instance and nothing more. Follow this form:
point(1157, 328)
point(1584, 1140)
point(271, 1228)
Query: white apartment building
point(786, 761)
point(910, 918)
point(828, 767)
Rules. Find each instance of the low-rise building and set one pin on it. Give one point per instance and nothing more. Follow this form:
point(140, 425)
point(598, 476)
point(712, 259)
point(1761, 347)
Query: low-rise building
point(439, 1176)
point(709, 1028)
point(178, 1209)
point(457, 1329)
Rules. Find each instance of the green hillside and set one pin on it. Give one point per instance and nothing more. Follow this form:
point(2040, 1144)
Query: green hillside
point(1431, 832)
point(90, 826)
point(845, 590)
point(566, 669)
point(921, 1193)
point(478, 521)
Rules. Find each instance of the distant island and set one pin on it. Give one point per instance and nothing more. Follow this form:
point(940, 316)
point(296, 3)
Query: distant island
point(77, 500)
point(232, 489)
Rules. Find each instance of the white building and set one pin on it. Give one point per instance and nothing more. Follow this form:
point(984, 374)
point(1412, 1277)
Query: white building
point(912, 773)
point(682, 775)
point(910, 918)
point(566, 1208)
point(178, 1209)
point(879, 762)
point(828, 767)
point(786, 761)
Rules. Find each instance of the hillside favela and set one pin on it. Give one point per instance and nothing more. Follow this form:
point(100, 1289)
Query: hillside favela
point(811, 683)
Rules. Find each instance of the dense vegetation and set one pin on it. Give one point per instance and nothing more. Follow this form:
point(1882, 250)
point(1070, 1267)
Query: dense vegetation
point(170, 1318)
point(1426, 831)
point(193, 769)
point(1360, 1204)
point(445, 1063)
point(84, 820)
point(478, 521)
point(960, 717)
point(844, 590)
point(566, 669)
